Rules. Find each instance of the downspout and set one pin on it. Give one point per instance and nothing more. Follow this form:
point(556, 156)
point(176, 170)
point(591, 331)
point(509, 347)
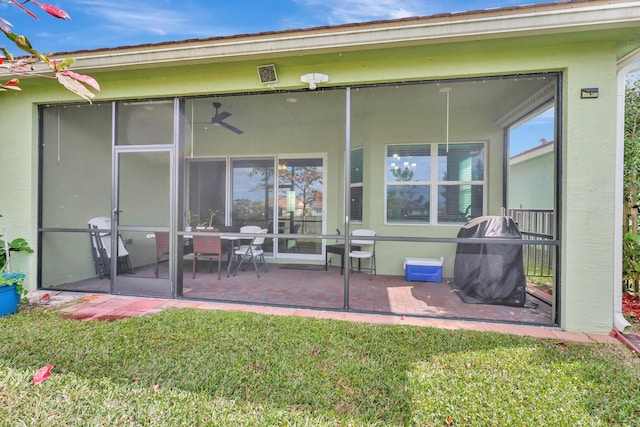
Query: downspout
point(619, 322)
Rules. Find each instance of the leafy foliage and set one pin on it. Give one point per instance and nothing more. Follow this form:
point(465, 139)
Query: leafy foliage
point(11, 278)
point(79, 84)
point(16, 245)
point(631, 262)
point(631, 259)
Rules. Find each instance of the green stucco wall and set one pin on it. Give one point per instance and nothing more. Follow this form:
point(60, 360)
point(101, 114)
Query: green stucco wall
point(588, 142)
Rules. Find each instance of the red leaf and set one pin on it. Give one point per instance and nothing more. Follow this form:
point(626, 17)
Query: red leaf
point(45, 297)
point(52, 10)
point(631, 305)
point(25, 9)
point(449, 421)
point(75, 86)
point(315, 352)
point(82, 78)
point(42, 374)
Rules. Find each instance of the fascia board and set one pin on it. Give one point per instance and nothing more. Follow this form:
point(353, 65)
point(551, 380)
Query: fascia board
point(466, 27)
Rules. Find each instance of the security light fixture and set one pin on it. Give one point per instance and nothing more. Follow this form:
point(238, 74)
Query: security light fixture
point(313, 79)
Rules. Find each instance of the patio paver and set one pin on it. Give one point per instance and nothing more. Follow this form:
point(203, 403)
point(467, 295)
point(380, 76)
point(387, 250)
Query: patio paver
point(113, 307)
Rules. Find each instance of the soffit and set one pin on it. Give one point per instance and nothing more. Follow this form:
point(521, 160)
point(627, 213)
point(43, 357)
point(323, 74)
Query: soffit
point(577, 20)
point(468, 99)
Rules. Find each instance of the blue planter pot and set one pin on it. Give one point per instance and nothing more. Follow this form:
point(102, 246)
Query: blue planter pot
point(9, 297)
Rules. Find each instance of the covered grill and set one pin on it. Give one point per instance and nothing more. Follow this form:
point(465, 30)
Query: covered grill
point(490, 273)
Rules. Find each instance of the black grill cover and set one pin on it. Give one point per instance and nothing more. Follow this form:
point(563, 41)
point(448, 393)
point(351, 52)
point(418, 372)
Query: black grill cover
point(490, 273)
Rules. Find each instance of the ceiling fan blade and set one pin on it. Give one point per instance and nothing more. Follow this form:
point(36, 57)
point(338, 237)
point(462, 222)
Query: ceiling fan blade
point(231, 128)
point(219, 117)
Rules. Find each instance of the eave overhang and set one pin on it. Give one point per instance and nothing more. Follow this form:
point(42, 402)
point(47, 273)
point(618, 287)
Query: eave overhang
point(534, 20)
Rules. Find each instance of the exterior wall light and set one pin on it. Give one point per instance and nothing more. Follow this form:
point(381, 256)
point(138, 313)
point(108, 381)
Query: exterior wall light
point(313, 79)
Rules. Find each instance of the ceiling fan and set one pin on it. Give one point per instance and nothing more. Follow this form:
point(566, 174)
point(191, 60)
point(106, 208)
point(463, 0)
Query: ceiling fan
point(219, 117)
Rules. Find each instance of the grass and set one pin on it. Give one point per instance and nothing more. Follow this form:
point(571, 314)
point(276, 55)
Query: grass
point(186, 367)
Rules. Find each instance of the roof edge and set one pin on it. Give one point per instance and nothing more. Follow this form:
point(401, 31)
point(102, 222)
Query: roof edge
point(545, 18)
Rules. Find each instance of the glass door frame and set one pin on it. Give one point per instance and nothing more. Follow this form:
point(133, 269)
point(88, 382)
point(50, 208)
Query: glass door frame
point(276, 214)
point(116, 228)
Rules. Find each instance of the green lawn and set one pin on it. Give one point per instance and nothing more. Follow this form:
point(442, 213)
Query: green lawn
point(195, 368)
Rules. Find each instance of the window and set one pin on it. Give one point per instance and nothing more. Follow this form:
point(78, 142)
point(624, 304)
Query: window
point(357, 173)
point(408, 183)
point(460, 182)
point(456, 181)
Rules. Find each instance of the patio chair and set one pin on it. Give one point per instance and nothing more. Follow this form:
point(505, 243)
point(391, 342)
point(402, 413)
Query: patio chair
point(101, 248)
point(252, 252)
point(101, 262)
point(162, 248)
point(208, 248)
point(364, 254)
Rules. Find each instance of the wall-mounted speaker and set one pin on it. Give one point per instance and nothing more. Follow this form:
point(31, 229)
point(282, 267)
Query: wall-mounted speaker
point(267, 74)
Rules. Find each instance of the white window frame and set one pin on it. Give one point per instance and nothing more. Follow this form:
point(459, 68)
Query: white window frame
point(434, 183)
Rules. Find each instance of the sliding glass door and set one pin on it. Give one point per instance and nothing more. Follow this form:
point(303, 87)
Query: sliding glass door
point(230, 193)
point(300, 204)
point(252, 192)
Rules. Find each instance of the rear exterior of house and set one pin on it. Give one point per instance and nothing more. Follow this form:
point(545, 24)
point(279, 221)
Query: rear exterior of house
point(409, 132)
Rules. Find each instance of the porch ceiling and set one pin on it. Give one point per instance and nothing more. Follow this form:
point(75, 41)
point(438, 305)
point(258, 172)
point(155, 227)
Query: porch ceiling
point(467, 97)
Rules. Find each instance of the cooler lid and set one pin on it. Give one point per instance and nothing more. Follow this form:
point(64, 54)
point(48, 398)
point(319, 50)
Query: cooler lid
point(434, 262)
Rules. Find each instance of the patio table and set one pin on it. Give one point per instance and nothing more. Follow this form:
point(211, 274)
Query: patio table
point(337, 249)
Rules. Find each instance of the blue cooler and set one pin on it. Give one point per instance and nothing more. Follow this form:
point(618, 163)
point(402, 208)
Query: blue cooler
point(423, 269)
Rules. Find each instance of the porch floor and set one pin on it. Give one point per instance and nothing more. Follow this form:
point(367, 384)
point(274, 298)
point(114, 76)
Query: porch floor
point(310, 286)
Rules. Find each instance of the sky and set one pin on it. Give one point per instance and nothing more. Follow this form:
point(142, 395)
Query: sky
point(529, 134)
point(99, 24)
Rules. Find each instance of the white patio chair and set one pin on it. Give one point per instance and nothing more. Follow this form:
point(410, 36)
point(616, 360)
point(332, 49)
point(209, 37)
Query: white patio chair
point(252, 252)
point(369, 254)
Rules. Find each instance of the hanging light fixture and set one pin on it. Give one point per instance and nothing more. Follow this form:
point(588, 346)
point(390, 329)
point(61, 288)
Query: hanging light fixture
point(447, 90)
